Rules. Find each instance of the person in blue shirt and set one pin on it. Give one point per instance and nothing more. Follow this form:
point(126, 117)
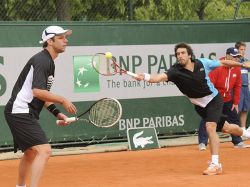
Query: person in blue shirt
point(244, 104)
point(191, 77)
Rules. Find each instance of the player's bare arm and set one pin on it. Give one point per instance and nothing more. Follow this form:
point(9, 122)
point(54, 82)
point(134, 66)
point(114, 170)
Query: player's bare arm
point(153, 78)
point(231, 63)
point(59, 116)
point(47, 96)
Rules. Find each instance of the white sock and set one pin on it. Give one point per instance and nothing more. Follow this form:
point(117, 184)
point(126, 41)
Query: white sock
point(215, 159)
point(245, 133)
point(20, 186)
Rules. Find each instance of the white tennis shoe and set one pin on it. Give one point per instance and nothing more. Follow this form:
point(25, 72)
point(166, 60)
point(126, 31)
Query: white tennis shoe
point(213, 169)
point(246, 133)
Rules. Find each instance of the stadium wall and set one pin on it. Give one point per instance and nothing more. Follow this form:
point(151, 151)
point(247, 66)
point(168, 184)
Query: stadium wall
point(138, 46)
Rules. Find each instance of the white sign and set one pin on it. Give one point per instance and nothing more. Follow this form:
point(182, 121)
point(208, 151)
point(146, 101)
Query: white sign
point(138, 58)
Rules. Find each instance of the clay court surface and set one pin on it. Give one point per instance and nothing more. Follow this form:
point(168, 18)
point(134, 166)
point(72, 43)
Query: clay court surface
point(170, 166)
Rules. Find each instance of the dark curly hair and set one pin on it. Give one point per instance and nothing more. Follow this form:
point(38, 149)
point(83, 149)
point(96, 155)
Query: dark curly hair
point(186, 46)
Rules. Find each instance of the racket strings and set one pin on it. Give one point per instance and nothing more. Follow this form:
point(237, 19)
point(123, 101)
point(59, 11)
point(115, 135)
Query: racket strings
point(103, 65)
point(105, 113)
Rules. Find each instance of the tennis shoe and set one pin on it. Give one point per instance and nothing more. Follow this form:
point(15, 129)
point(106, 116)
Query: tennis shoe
point(202, 147)
point(213, 169)
point(246, 133)
point(242, 145)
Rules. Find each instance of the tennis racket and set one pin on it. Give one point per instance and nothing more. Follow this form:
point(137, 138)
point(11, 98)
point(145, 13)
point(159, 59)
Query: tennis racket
point(105, 112)
point(107, 65)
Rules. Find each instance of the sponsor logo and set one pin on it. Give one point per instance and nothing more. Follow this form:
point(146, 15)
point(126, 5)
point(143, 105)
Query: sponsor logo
point(86, 79)
point(141, 141)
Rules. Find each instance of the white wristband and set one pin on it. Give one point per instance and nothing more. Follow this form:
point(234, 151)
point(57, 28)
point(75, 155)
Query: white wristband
point(146, 77)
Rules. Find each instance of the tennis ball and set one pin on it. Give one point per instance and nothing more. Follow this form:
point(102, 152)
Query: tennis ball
point(108, 55)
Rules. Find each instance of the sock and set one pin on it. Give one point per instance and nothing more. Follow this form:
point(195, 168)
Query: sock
point(215, 159)
point(245, 133)
point(21, 186)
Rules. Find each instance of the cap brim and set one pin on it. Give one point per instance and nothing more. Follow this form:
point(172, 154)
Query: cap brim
point(235, 55)
point(67, 32)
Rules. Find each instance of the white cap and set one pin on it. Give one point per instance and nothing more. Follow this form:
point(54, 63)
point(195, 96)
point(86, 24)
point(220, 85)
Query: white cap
point(52, 31)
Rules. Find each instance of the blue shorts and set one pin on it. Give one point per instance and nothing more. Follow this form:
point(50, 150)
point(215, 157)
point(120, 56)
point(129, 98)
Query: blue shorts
point(244, 104)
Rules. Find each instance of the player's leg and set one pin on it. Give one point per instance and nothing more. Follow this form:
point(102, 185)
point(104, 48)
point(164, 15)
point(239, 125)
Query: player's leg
point(20, 126)
point(31, 139)
point(43, 153)
point(213, 137)
point(214, 168)
point(232, 129)
point(235, 130)
point(25, 165)
point(211, 114)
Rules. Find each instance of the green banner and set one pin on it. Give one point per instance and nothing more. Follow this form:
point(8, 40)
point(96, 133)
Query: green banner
point(86, 79)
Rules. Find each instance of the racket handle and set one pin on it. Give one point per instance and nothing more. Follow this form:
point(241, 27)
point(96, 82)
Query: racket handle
point(132, 74)
point(72, 119)
point(69, 120)
point(58, 122)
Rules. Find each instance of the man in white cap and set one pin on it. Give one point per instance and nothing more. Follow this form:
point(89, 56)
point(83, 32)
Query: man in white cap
point(29, 95)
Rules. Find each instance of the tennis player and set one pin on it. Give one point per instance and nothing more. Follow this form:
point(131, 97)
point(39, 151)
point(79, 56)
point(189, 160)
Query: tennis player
point(29, 95)
point(191, 77)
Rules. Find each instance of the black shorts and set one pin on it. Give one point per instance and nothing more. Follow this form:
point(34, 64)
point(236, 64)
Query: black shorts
point(213, 112)
point(26, 131)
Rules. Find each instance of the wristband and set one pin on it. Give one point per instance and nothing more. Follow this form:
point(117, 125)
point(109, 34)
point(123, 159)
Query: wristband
point(52, 108)
point(146, 77)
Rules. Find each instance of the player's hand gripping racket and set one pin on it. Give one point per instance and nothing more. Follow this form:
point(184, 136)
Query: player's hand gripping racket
point(105, 64)
point(105, 112)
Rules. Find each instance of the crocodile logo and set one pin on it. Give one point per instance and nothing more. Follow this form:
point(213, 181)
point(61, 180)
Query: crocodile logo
point(141, 141)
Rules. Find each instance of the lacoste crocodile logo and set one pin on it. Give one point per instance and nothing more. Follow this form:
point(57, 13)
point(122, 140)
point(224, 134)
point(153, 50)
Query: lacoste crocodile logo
point(141, 141)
